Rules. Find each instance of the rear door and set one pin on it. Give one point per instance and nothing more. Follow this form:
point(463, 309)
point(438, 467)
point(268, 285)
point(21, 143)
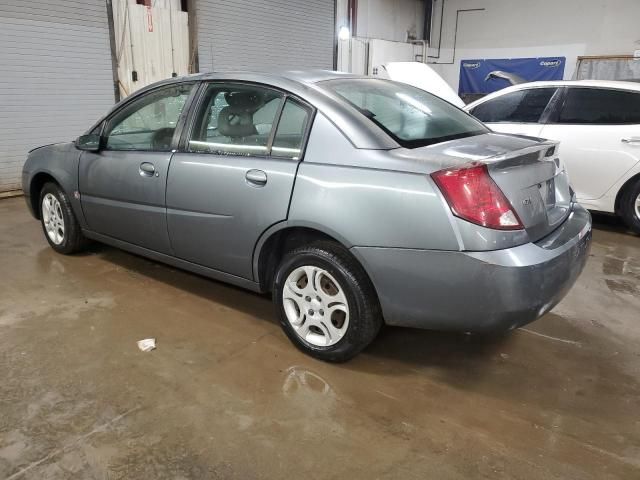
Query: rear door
point(233, 177)
point(122, 186)
point(519, 112)
point(599, 134)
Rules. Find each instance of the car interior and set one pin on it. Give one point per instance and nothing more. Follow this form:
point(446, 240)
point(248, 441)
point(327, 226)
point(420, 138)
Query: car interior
point(235, 121)
point(149, 123)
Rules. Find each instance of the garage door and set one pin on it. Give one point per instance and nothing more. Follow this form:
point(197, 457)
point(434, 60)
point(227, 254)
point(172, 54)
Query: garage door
point(55, 75)
point(260, 34)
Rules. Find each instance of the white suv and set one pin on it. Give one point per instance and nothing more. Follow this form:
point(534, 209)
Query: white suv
point(598, 125)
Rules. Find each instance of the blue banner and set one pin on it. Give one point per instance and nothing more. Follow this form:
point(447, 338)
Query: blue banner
point(489, 75)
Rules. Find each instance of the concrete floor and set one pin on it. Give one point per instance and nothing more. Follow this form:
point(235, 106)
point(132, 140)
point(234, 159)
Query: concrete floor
point(226, 396)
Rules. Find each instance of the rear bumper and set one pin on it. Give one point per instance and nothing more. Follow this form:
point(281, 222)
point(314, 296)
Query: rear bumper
point(479, 291)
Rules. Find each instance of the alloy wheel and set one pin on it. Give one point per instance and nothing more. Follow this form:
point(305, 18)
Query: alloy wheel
point(315, 306)
point(52, 218)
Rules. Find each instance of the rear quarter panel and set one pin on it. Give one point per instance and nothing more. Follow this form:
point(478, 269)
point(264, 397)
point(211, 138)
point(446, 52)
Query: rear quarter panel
point(371, 206)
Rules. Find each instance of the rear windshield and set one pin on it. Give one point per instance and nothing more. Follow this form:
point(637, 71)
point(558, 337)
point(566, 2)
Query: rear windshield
point(412, 117)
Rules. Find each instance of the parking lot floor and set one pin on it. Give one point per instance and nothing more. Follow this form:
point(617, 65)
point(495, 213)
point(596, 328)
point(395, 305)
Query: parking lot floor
point(226, 396)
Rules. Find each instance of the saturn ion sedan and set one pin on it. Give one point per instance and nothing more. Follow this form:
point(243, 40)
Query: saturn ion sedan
point(356, 202)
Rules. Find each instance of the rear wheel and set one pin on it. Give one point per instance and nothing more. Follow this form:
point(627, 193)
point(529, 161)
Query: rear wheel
point(59, 224)
point(327, 305)
point(630, 206)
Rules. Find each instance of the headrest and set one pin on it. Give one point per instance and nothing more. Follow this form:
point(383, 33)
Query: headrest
point(235, 122)
point(250, 101)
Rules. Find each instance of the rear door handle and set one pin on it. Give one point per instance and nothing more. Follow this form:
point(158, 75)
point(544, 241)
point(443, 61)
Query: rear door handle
point(630, 140)
point(257, 178)
point(147, 169)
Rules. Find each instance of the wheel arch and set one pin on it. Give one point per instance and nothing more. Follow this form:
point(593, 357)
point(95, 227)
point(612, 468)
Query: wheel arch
point(35, 187)
point(630, 181)
point(282, 237)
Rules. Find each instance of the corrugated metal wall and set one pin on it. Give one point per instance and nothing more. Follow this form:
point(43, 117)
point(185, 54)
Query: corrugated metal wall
point(56, 72)
point(259, 34)
point(55, 75)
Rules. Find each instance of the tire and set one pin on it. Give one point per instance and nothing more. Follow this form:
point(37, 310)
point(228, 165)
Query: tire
point(59, 224)
point(345, 315)
point(630, 206)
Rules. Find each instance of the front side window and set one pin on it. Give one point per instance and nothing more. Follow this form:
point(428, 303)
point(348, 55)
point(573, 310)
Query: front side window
point(521, 106)
point(600, 106)
point(235, 119)
point(412, 117)
point(149, 122)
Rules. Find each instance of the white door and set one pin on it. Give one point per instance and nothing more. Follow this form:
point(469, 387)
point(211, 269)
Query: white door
point(516, 112)
point(599, 134)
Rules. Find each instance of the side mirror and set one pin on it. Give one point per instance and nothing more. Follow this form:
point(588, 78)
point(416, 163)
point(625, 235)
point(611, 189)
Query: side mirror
point(89, 142)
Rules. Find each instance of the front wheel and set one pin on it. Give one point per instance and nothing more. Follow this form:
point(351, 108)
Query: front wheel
point(630, 206)
point(59, 224)
point(327, 305)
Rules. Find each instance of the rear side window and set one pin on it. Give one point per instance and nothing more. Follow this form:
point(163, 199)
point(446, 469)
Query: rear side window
point(291, 130)
point(521, 106)
point(600, 106)
point(235, 119)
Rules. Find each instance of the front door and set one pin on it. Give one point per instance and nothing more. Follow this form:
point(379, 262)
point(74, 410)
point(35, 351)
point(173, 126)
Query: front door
point(122, 186)
point(235, 176)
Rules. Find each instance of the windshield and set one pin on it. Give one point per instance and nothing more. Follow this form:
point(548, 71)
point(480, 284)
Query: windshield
point(412, 117)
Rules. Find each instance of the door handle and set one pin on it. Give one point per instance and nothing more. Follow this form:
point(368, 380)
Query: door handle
point(147, 169)
point(257, 178)
point(631, 140)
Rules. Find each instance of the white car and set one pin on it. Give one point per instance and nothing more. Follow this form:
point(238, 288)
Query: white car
point(598, 126)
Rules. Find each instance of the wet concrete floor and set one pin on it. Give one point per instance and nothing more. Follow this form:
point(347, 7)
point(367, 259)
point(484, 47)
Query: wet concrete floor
point(225, 396)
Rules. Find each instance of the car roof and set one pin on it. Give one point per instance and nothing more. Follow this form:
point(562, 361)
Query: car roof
point(612, 84)
point(291, 80)
point(310, 76)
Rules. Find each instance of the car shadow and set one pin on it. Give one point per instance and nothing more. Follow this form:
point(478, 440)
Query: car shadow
point(447, 350)
point(411, 347)
point(403, 344)
point(610, 223)
point(236, 298)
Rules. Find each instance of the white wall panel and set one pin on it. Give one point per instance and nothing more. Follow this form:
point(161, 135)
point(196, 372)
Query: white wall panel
point(390, 19)
point(265, 34)
point(535, 28)
point(153, 41)
point(383, 51)
point(56, 77)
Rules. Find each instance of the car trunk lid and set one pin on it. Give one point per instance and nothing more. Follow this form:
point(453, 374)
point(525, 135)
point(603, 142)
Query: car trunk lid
point(529, 172)
point(537, 186)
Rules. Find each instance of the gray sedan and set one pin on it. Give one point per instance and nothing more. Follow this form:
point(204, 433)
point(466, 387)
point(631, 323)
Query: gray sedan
point(357, 202)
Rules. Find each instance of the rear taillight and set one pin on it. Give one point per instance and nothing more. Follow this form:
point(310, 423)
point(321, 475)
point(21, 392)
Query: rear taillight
point(474, 196)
